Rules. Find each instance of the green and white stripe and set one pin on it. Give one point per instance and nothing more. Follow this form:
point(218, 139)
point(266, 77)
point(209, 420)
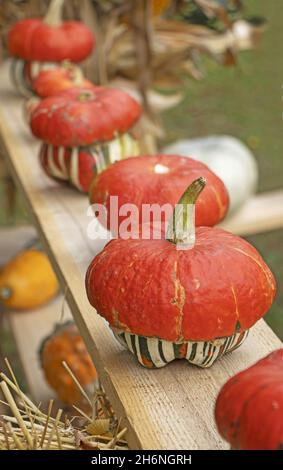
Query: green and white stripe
point(22, 78)
point(123, 146)
point(19, 79)
point(103, 155)
point(155, 352)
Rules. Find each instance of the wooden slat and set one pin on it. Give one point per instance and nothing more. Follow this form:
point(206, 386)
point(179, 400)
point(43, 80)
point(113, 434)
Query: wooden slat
point(13, 240)
point(29, 328)
point(162, 409)
point(261, 213)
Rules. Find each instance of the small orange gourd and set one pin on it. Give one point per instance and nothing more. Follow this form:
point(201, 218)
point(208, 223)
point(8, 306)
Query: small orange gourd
point(66, 344)
point(27, 281)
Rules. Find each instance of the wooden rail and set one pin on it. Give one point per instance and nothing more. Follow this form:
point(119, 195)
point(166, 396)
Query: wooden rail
point(262, 213)
point(29, 329)
point(171, 408)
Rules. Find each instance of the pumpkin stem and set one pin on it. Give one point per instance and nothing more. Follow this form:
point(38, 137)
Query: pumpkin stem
point(5, 293)
point(85, 96)
point(75, 72)
point(53, 16)
point(181, 227)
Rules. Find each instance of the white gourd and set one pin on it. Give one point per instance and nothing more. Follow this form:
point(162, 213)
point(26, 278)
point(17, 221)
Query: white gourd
point(228, 158)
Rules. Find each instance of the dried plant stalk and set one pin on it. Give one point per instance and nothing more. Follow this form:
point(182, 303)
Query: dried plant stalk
point(30, 428)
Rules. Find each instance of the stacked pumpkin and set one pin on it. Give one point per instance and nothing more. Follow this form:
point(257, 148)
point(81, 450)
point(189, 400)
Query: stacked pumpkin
point(51, 82)
point(65, 344)
point(40, 44)
point(190, 293)
point(83, 129)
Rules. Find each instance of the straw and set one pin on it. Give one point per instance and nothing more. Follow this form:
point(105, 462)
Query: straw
point(77, 383)
point(16, 412)
point(29, 428)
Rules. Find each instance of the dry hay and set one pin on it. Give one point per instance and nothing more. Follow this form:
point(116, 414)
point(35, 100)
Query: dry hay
point(27, 427)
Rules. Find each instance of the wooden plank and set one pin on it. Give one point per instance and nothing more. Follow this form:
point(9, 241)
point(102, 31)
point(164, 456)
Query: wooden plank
point(171, 408)
point(13, 240)
point(30, 327)
point(9, 245)
point(262, 213)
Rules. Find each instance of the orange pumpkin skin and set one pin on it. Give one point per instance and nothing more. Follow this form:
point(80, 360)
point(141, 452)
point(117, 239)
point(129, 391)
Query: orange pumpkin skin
point(81, 116)
point(41, 43)
point(53, 81)
point(160, 179)
point(66, 344)
point(84, 130)
point(249, 408)
point(151, 289)
point(30, 279)
point(33, 40)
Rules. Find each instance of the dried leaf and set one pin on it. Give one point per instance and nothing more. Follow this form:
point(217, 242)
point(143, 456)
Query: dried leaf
point(98, 427)
point(229, 59)
point(83, 444)
point(159, 102)
point(86, 445)
point(213, 8)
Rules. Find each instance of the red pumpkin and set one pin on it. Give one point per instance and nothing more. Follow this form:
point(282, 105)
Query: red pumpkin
point(48, 40)
point(81, 116)
point(84, 130)
point(164, 302)
point(66, 344)
point(249, 408)
point(53, 81)
point(75, 165)
point(160, 179)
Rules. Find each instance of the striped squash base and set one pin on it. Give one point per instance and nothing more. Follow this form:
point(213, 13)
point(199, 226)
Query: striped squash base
point(23, 72)
point(156, 353)
point(79, 165)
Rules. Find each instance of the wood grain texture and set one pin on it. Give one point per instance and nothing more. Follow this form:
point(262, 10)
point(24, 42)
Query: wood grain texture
point(13, 240)
point(261, 213)
point(171, 408)
point(29, 329)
